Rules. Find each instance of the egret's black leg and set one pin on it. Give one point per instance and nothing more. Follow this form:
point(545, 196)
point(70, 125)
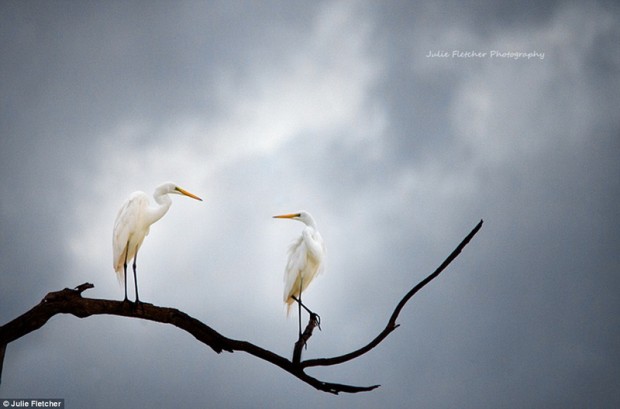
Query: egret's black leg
point(312, 313)
point(298, 301)
point(135, 277)
point(125, 273)
point(125, 277)
point(299, 304)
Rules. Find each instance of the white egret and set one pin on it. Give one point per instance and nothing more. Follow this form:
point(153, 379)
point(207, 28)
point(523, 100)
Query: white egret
point(132, 226)
point(305, 261)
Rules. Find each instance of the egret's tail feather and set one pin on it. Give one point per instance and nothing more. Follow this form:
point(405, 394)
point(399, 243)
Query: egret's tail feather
point(120, 276)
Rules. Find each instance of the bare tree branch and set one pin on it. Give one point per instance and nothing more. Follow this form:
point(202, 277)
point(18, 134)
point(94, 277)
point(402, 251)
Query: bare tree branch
point(70, 301)
point(391, 325)
point(313, 322)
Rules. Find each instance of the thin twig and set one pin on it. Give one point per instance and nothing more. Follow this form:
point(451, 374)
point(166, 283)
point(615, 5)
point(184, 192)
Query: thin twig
point(391, 325)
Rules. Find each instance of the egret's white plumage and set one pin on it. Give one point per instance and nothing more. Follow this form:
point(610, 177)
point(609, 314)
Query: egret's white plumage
point(305, 260)
point(132, 225)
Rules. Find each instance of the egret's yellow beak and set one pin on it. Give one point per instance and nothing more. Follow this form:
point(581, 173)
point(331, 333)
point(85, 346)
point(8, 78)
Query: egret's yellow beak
point(188, 194)
point(287, 216)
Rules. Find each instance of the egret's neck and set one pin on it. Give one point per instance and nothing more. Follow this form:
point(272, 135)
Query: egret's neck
point(158, 211)
point(310, 223)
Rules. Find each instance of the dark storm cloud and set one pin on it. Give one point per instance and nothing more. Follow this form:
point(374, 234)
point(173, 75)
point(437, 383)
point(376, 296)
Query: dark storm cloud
point(333, 107)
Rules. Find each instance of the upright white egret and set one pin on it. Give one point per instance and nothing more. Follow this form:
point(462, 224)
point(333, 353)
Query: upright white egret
point(305, 261)
point(132, 226)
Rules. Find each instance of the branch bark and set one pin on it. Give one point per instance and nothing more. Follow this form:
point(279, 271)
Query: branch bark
point(70, 301)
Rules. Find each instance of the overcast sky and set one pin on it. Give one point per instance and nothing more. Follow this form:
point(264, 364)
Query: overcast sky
point(263, 108)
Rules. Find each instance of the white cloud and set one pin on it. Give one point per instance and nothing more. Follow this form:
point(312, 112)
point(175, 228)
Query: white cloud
point(316, 91)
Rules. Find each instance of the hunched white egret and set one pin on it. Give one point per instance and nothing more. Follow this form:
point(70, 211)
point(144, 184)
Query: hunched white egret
point(132, 225)
point(305, 261)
